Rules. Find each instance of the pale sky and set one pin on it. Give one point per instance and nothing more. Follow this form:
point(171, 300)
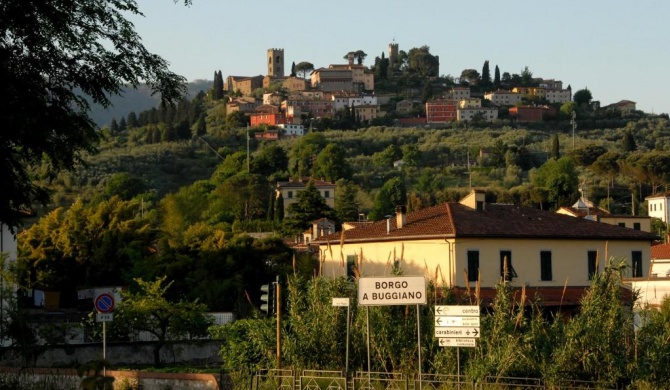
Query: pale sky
point(617, 49)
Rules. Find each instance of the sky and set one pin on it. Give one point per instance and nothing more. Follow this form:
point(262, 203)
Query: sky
point(617, 49)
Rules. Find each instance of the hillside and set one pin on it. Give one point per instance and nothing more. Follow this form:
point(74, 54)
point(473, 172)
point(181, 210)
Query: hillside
point(137, 100)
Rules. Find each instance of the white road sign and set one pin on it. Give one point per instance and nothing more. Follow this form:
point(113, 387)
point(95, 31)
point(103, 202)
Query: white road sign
point(341, 302)
point(388, 291)
point(456, 321)
point(104, 317)
point(455, 342)
point(457, 310)
point(457, 331)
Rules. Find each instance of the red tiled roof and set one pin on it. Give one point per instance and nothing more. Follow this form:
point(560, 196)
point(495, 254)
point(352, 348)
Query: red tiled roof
point(659, 195)
point(495, 221)
point(546, 296)
point(660, 251)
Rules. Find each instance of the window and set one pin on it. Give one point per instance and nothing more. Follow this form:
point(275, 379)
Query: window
point(479, 205)
point(326, 194)
point(636, 257)
point(592, 260)
point(545, 265)
point(506, 265)
point(473, 266)
point(290, 195)
point(351, 266)
point(636, 225)
point(622, 224)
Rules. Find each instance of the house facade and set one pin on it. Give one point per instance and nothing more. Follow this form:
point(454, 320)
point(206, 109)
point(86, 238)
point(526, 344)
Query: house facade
point(292, 130)
point(441, 110)
point(657, 206)
point(289, 191)
point(503, 98)
point(488, 114)
point(455, 244)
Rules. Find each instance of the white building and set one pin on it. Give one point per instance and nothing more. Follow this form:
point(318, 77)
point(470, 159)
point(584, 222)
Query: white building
point(292, 129)
point(503, 98)
point(488, 114)
point(657, 206)
point(344, 101)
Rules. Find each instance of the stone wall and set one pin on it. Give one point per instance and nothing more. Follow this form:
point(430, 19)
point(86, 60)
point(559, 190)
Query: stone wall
point(118, 354)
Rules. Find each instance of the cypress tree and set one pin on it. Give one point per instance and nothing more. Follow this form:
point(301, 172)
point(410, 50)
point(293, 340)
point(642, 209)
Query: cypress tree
point(555, 147)
point(496, 78)
point(486, 74)
point(132, 119)
point(293, 74)
point(114, 126)
point(122, 124)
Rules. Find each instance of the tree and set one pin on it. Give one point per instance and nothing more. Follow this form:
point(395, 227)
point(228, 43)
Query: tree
point(55, 58)
point(555, 147)
point(114, 126)
point(427, 92)
point(587, 155)
point(309, 207)
point(271, 159)
point(628, 143)
point(582, 98)
point(358, 55)
point(236, 120)
point(346, 204)
point(293, 74)
point(132, 120)
point(217, 86)
point(420, 61)
point(124, 185)
point(304, 67)
point(381, 67)
point(470, 76)
point(559, 178)
point(486, 74)
point(331, 163)
point(147, 309)
point(496, 78)
point(526, 77)
point(242, 197)
point(393, 193)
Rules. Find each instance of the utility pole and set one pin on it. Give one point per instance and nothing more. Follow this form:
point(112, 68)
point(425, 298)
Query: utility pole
point(248, 169)
point(278, 297)
point(574, 126)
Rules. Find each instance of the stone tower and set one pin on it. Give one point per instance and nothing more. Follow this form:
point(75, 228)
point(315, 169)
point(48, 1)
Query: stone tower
point(275, 60)
point(393, 53)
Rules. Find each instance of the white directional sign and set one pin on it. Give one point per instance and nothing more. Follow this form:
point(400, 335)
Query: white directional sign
point(455, 342)
point(341, 302)
point(456, 321)
point(460, 311)
point(104, 317)
point(456, 331)
point(388, 291)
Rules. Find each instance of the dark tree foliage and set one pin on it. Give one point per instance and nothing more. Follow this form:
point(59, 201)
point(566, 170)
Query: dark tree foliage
point(555, 147)
point(132, 120)
point(293, 74)
point(582, 97)
point(217, 87)
point(486, 74)
point(55, 58)
point(628, 143)
point(309, 207)
point(496, 78)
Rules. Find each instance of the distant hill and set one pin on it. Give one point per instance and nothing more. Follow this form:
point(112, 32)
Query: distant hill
point(138, 100)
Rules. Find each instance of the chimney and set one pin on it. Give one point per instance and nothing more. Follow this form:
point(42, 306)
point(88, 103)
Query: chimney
point(400, 216)
point(350, 57)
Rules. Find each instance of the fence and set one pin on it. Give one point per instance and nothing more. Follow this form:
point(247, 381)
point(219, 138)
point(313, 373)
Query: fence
point(363, 380)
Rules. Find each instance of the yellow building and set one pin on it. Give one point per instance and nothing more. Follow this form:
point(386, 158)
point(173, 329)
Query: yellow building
point(554, 256)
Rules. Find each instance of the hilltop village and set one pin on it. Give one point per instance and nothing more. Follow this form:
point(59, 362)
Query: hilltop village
point(289, 101)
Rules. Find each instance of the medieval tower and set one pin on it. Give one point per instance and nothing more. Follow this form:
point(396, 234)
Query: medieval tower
point(393, 53)
point(275, 62)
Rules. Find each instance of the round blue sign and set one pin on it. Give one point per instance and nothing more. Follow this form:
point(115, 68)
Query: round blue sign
point(104, 303)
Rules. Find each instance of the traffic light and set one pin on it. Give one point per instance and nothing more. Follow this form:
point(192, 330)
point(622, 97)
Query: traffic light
point(266, 299)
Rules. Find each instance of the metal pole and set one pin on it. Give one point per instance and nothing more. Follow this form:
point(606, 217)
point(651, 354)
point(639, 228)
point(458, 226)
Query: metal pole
point(418, 336)
point(367, 324)
point(346, 367)
point(104, 349)
point(278, 324)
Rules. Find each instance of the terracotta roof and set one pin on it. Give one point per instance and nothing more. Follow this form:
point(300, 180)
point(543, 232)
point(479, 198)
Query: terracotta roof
point(303, 182)
point(660, 251)
point(581, 212)
point(546, 296)
point(659, 195)
point(495, 221)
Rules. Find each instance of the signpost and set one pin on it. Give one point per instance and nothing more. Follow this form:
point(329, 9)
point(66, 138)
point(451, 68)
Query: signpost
point(392, 291)
point(344, 302)
point(104, 305)
point(457, 326)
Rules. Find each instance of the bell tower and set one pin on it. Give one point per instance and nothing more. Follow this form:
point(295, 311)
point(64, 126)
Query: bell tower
point(275, 61)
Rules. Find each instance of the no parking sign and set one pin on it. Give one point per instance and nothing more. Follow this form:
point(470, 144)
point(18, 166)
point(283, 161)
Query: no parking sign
point(104, 304)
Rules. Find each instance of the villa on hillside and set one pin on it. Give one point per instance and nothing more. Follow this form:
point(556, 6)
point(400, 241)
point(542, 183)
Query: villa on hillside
point(289, 190)
point(584, 208)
